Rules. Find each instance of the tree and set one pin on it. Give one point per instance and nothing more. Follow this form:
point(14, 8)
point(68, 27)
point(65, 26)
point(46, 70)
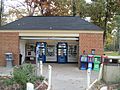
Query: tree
point(36, 8)
point(81, 8)
point(104, 12)
point(50, 7)
point(0, 11)
point(118, 28)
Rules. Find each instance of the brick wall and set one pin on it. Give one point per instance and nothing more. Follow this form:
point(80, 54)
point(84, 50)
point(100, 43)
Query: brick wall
point(90, 41)
point(9, 42)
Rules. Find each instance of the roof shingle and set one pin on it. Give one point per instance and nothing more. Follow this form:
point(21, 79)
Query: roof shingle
point(50, 23)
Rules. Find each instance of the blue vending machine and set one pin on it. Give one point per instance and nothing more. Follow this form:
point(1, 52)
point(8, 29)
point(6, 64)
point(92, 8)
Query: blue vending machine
point(90, 61)
point(41, 52)
point(62, 49)
point(83, 62)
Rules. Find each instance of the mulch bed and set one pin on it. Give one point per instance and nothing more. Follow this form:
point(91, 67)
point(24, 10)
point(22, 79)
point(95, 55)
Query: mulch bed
point(114, 86)
point(18, 86)
point(99, 84)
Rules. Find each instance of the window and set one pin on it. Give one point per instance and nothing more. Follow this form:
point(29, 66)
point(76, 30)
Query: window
point(50, 50)
point(72, 49)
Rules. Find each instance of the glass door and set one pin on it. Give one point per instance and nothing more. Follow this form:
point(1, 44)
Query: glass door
point(51, 53)
point(72, 53)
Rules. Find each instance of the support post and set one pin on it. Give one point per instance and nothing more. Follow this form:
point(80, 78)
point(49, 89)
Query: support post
point(30, 86)
point(49, 77)
point(100, 72)
point(88, 77)
point(41, 68)
point(38, 69)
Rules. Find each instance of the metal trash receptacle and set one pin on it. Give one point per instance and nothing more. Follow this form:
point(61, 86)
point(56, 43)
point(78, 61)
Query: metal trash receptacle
point(9, 60)
point(105, 59)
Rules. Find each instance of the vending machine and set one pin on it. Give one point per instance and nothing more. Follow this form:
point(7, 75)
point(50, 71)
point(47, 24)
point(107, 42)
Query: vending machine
point(41, 52)
point(84, 62)
point(90, 62)
point(62, 52)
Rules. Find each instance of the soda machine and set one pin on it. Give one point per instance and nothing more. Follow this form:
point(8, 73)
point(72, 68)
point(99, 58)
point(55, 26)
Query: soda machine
point(41, 52)
point(62, 52)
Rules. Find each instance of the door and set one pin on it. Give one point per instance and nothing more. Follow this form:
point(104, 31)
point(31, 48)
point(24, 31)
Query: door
point(51, 53)
point(72, 53)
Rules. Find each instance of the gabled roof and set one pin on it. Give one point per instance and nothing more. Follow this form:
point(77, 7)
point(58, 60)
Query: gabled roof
point(50, 23)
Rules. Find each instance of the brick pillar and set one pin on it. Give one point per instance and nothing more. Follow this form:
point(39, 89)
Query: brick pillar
point(9, 42)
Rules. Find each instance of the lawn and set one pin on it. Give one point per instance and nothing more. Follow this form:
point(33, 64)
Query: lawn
point(111, 53)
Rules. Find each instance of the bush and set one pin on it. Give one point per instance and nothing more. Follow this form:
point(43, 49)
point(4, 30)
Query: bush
point(22, 75)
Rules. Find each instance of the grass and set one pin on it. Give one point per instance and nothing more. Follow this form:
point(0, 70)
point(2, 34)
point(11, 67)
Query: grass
point(112, 53)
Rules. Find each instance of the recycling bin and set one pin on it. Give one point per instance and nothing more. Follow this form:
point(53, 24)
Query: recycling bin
point(97, 61)
point(9, 59)
point(90, 61)
point(104, 59)
point(83, 61)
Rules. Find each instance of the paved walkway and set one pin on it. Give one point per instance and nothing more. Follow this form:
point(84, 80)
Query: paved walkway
point(69, 77)
point(5, 71)
point(64, 76)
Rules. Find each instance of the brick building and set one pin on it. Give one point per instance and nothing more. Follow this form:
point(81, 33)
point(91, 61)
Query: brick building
point(21, 36)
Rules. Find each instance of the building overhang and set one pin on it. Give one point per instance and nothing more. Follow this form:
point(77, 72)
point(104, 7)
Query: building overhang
point(47, 38)
point(52, 33)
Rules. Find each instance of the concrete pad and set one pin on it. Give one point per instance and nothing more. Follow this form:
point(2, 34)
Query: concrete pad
point(69, 77)
point(5, 71)
point(64, 76)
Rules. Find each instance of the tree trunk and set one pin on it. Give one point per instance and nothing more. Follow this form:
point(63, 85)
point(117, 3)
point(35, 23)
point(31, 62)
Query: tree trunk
point(74, 7)
point(119, 41)
point(105, 22)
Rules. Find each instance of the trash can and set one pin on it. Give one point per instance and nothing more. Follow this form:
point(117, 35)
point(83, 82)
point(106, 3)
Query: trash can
point(9, 59)
point(104, 59)
point(97, 61)
point(83, 61)
point(90, 61)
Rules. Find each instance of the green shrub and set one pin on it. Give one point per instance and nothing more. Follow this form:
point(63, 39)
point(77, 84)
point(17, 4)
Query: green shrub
point(9, 81)
point(22, 75)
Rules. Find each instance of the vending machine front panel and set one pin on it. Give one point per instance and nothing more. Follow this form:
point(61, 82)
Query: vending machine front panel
point(41, 52)
point(62, 52)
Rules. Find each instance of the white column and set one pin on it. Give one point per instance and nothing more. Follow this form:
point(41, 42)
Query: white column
point(88, 77)
point(22, 49)
point(38, 69)
point(100, 72)
point(41, 68)
point(49, 77)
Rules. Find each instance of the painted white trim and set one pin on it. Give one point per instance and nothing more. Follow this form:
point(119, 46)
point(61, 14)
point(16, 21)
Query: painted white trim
point(37, 38)
point(53, 31)
point(22, 49)
point(49, 34)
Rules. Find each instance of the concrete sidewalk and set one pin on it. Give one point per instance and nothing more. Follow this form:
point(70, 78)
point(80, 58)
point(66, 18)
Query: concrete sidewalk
point(64, 76)
point(69, 77)
point(5, 71)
